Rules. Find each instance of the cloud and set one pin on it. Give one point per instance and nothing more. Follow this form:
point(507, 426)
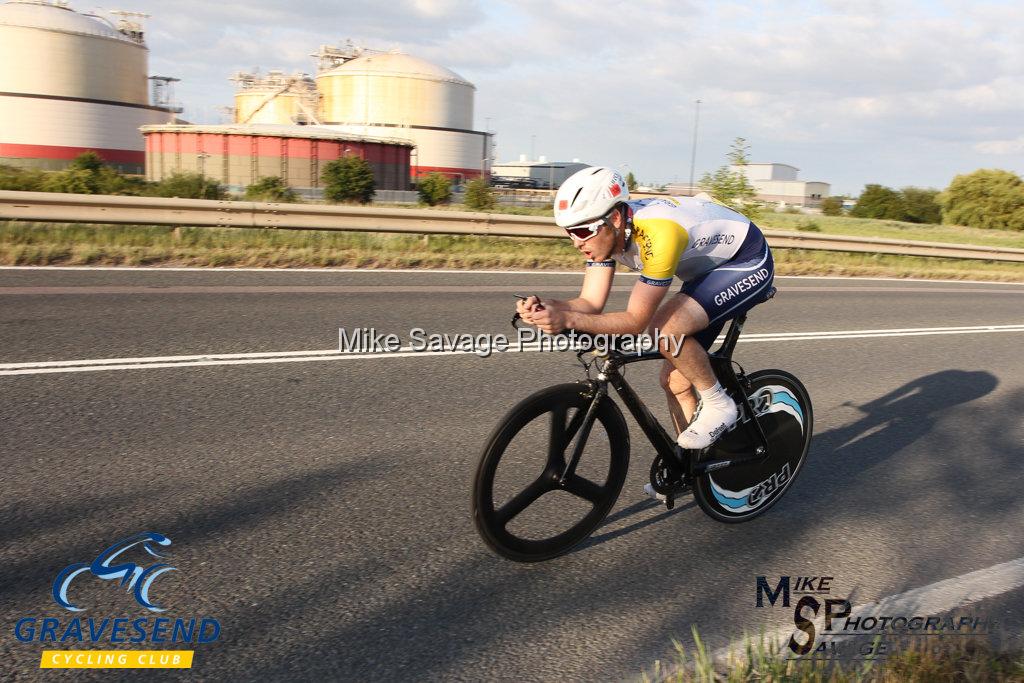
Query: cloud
point(908, 91)
point(1015, 146)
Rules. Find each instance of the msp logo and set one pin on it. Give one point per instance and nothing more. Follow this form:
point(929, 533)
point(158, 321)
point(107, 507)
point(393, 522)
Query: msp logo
point(842, 630)
point(138, 579)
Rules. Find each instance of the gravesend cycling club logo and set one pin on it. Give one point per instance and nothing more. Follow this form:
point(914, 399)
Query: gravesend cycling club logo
point(138, 579)
point(829, 627)
point(133, 564)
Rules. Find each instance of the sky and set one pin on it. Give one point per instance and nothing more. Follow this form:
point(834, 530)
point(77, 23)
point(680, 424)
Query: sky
point(896, 92)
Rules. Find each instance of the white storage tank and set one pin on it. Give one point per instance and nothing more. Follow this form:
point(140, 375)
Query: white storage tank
point(71, 82)
point(396, 95)
point(275, 98)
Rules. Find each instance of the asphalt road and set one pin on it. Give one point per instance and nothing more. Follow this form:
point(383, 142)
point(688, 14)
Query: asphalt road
point(319, 509)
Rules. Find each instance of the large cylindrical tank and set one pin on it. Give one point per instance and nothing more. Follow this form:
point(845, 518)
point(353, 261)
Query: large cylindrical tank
point(70, 82)
point(275, 98)
point(396, 89)
point(253, 106)
point(384, 94)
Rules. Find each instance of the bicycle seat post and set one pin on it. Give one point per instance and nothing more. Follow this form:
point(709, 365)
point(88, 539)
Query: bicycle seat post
point(735, 327)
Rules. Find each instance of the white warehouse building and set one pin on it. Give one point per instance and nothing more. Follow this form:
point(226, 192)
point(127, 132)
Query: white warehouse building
point(778, 183)
point(545, 174)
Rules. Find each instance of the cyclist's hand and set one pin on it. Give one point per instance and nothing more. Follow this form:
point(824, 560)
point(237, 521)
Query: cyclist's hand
point(550, 320)
point(526, 307)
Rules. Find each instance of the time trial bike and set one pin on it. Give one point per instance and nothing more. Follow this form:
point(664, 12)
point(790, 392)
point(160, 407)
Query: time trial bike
point(570, 443)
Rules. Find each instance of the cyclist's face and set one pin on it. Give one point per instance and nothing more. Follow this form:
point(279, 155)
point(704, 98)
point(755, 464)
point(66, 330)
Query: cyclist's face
point(606, 242)
point(600, 246)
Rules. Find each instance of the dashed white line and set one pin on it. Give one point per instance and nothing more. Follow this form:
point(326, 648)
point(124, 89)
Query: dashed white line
point(141, 363)
point(449, 271)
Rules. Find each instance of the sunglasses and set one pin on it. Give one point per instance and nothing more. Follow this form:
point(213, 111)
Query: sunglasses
point(587, 230)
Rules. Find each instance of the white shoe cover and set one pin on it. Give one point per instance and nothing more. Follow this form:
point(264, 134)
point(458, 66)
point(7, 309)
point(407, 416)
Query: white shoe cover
point(710, 423)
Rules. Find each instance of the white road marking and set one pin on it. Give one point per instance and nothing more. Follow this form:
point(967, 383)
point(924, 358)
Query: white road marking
point(449, 271)
point(933, 599)
point(139, 363)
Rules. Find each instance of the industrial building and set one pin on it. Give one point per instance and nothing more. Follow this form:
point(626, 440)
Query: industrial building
point(778, 183)
point(275, 98)
point(377, 95)
point(543, 173)
point(72, 82)
point(238, 156)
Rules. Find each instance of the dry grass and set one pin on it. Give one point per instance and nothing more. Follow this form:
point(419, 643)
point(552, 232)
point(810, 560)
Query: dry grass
point(950, 660)
point(135, 245)
point(870, 227)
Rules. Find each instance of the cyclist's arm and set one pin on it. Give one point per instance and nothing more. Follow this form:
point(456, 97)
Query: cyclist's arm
point(597, 283)
point(643, 302)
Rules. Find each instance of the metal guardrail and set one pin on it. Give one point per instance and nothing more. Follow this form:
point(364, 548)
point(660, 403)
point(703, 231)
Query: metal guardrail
point(79, 208)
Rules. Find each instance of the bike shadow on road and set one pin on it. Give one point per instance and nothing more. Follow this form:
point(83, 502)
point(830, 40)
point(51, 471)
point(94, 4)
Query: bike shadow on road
point(899, 418)
point(629, 511)
point(889, 424)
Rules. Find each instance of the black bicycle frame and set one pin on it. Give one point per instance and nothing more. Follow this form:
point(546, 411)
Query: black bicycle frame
point(721, 363)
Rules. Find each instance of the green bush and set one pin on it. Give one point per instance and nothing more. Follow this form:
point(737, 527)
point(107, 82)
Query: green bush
point(88, 174)
point(434, 189)
point(878, 201)
point(832, 206)
point(732, 188)
point(631, 183)
point(20, 179)
point(349, 179)
point(987, 198)
point(271, 189)
point(188, 186)
point(922, 205)
point(480, 196)
point(808, 226)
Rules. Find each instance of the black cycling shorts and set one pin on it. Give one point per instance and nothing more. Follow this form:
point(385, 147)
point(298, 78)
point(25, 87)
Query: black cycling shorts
point(734, 287)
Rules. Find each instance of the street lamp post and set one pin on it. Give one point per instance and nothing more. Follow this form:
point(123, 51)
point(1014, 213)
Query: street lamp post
point(693, 148)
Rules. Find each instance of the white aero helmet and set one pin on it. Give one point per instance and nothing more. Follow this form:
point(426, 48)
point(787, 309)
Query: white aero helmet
point(588, 195)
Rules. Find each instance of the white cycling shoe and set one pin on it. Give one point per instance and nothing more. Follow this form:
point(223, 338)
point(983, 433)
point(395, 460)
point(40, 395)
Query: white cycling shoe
point(710, 422)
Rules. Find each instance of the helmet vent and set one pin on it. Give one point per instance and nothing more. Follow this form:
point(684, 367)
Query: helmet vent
point(576, 196)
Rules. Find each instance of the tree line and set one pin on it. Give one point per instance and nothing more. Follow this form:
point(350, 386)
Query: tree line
point(986, 198)
point(346, 180)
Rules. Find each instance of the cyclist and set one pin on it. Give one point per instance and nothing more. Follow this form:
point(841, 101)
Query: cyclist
point(720, 256)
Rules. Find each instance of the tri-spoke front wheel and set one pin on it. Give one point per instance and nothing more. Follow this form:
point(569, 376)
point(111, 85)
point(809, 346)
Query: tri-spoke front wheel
point(550, 473)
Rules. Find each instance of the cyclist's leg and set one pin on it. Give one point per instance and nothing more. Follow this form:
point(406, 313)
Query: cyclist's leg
point(675, 323)
point(682, 401)
point(678, 325)
point(721, 294)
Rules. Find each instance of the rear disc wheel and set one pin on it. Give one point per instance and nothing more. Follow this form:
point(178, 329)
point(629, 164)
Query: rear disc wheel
point(739, 493)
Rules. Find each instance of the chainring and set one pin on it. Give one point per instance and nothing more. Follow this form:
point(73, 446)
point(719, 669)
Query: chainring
point(667, 476)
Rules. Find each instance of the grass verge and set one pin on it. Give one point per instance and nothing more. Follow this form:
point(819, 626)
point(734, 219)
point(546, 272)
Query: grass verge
point(41, 244)
point(952, 659)
point(870, 227)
